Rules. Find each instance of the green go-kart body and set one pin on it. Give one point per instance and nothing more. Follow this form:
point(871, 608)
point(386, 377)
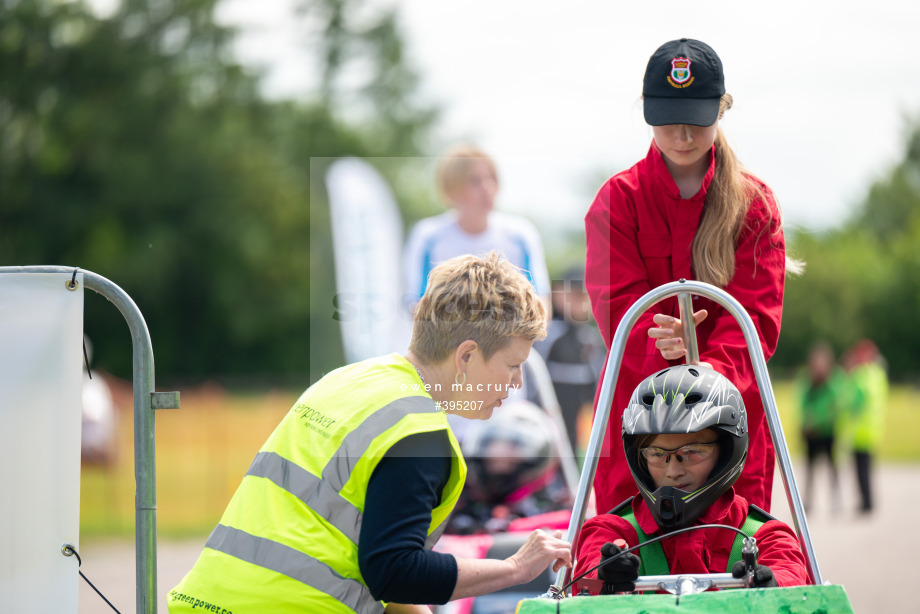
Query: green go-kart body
point(826, 599)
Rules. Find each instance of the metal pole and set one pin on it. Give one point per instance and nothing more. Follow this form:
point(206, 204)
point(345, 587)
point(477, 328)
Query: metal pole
point(144, 433)
point(145, 501)
point(761, 374)
point(688, 584)
point(598, 428)
point(550, 403)
point(688, 325)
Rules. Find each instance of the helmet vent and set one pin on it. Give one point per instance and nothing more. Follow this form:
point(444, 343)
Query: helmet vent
point(694, 372)
point(648, 398)
point(693, 398)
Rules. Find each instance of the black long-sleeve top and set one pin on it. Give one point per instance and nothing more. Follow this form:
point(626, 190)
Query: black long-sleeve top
point(405, 486)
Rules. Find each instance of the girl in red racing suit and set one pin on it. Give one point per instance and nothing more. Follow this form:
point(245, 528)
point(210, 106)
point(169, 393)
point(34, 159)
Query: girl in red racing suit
point(688, 210)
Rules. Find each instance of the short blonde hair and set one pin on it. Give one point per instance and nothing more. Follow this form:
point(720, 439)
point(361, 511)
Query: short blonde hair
point(453, 168)
point(486, 299)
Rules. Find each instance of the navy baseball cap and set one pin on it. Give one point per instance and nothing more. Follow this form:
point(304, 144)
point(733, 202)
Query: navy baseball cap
point(683, 84)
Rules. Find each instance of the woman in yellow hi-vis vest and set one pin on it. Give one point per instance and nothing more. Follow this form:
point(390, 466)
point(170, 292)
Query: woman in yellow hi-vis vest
point(864, 423)
point(342, 505)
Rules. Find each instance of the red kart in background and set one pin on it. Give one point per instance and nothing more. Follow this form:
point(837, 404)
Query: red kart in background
point(522, 475)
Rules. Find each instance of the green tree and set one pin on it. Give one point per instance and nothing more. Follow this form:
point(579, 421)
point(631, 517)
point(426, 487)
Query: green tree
point(136, 150)
point(891, 217)
point(863, 279)
point(135, 147)
point(366, 77)
point(369, 91)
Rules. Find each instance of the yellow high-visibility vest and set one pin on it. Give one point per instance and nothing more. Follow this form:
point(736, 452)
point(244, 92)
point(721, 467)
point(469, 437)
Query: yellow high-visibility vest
point(288, 540)
point(869, 399)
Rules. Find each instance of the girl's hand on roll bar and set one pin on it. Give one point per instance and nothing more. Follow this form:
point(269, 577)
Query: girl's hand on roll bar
point(669, 335)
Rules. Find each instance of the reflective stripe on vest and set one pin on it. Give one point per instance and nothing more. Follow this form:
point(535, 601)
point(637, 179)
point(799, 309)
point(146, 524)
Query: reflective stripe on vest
point(321, 494)
point(294, 564)
point(436, 534)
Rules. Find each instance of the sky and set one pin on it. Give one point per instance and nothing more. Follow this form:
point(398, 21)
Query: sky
point(552, 91)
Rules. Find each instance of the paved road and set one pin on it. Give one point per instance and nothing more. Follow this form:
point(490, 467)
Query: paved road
point(863, 554)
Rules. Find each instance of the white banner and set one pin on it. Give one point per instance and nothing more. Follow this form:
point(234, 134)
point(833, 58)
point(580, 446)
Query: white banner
point(41, 334)
point(367, 240)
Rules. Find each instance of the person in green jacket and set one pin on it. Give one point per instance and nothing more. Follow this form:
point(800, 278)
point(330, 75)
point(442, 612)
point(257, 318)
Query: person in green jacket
point(820, 389)
point(868, 396)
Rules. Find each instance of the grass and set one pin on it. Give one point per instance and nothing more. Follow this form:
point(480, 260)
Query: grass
point(205, 448)
point(203, 451)
point(902, 421)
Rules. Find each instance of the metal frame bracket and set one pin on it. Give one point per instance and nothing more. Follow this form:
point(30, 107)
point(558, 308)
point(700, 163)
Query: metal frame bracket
point(164, 400)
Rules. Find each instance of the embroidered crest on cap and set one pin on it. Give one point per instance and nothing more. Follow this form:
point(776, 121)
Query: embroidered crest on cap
point(680, 73)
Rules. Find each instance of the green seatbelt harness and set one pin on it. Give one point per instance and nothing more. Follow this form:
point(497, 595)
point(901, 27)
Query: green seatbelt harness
point(653, 561)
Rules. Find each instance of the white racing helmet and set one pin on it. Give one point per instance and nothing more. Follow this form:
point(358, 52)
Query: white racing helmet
point(512, 449)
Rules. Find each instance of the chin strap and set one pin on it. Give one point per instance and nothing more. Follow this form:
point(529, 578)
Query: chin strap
point(670, 510)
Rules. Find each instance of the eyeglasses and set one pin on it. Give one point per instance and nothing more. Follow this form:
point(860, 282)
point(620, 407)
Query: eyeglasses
point(689, 455)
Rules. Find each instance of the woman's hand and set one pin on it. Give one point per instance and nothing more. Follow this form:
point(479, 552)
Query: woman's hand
point(669, 335)
point(481, 576)
point(540, 549)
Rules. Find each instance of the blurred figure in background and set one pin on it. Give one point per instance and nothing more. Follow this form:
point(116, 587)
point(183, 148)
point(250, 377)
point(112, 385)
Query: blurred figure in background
point(97, 444)
point(514, 471)
point(868, 394)
point(820, 389)
point(573, 351)
point(467, 180)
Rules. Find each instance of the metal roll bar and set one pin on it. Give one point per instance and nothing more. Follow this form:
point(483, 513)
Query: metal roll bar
point(543, 383)
point(145, 400)
point(684, 289)
point(688, 584)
